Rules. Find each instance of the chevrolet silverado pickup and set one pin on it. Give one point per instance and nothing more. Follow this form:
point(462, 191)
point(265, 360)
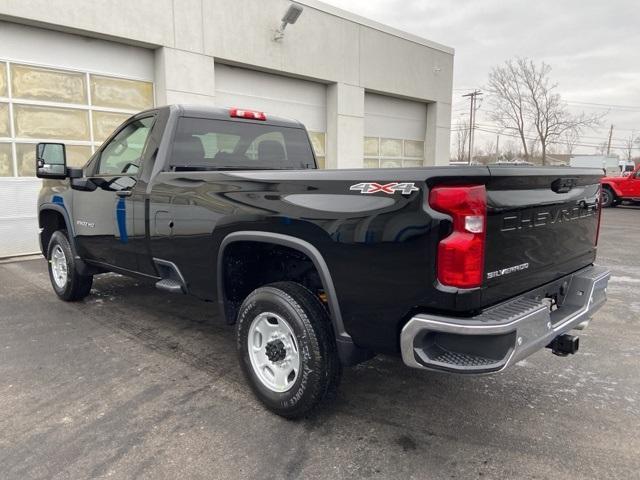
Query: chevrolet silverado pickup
point(465, 270)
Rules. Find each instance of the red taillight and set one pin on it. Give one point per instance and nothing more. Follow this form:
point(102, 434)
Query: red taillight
point(250, 114)
point(461, 254)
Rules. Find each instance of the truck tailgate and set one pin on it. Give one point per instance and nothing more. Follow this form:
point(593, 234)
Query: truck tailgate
point(541, 225)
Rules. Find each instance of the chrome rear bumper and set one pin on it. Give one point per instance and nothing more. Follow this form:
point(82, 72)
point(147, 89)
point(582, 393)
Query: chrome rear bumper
point(502, 335)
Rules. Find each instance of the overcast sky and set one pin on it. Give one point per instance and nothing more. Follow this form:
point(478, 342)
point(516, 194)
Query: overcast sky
point(593, 47)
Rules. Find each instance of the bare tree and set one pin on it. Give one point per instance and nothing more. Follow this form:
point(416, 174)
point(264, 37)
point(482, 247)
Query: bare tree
point(461, 140)
point(490, 150)
point(628, 144)
point(570, 139)
point(526, 100)
point(534, 151)
point(601, 148)
point(508, 100)
point(510, 150)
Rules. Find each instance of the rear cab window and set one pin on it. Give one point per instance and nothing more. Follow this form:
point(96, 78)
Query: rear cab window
point(202, 144)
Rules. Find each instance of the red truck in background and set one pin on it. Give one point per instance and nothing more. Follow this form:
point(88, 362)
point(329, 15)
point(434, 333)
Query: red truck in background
point(615, 190)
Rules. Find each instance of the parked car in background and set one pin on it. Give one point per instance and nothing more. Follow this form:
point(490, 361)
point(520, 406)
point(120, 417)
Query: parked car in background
point(615, 190)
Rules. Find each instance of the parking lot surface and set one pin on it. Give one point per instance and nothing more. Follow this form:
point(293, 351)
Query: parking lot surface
point(136, 383)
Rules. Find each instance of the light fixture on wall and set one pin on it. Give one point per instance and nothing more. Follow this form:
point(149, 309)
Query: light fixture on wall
point(290, 17)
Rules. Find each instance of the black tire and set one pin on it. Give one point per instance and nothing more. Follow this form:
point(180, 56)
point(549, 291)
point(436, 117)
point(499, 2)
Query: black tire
point(320, 369)
point(608, 198)
point(75, 286)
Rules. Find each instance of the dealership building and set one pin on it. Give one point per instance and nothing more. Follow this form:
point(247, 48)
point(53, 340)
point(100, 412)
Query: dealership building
point(72, 70)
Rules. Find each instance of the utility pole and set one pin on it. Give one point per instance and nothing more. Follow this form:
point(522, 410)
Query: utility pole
point(609, 142)
point(472, 119)
point(497, 146)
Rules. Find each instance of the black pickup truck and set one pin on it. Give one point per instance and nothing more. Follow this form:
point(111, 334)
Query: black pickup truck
point(455, 269)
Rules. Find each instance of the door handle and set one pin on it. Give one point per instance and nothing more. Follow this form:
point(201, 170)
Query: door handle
point(124, 193)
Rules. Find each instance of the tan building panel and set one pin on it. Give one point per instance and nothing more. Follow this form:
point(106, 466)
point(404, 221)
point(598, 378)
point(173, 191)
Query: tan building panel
point(6, 163)
point(104, 123)
point(51, 122)
point(77, 156)
point(390, 147)
point(26, 155)
point(5, 128)
point(3, 79)
point(413, 148)
point(120, 93)
point(371, 146)
point(38, 83)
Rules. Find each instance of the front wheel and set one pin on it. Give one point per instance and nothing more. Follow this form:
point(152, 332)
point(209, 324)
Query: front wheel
point(68, 284)
point(287, 348)
point(608, 198)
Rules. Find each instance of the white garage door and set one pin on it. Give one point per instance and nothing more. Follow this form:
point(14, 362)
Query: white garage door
point(276, 94)
point(61, 88)
point(394, 131)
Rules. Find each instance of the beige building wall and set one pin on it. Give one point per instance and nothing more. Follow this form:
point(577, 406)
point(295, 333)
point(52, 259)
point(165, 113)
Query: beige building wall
point(350, 54)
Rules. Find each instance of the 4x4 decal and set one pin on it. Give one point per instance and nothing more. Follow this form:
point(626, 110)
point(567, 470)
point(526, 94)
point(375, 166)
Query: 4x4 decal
point(390, 188)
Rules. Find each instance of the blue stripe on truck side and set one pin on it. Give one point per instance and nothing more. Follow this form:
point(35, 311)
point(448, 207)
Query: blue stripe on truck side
point(121, 218)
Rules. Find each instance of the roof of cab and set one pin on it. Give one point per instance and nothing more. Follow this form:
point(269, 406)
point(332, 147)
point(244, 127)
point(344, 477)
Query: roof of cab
point(217, 113)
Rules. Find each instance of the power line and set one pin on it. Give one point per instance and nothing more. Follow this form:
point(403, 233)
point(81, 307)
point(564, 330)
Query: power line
point(554, 142)
point(593, 137)
point(605, 105)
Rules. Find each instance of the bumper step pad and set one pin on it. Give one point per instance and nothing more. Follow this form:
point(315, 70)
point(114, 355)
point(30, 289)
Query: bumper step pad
point(462, 359)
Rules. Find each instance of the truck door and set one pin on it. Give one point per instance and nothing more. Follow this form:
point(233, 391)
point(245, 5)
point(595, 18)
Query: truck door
point(630, 188)
point(103, 211)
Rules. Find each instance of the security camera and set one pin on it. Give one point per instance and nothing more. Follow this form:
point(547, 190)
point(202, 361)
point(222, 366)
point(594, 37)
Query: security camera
point(290, 17)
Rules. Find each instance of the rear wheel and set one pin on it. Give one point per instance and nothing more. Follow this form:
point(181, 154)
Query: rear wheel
point(287, 348)
point(68, 284)
point(608, 198)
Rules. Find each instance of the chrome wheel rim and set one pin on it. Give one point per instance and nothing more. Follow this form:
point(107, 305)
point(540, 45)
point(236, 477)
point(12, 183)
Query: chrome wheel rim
point(605, 196)
point(58, 266)
point(273, 351)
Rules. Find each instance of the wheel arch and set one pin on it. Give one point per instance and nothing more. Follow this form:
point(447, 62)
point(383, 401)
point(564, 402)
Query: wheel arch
point(47, 212)
point(611, 186)
point(50, 216)
point(296, 244)
point(349, 353)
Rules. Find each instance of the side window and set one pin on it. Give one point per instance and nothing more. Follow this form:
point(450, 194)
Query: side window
point(124, 152)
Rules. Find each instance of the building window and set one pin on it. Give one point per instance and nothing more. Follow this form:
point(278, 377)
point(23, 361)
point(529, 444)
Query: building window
point(78, 108)
point(5, 130)
point(6, 162)
point(392, 153)
point(318, 141)
point(3, 79)
point(121, 93)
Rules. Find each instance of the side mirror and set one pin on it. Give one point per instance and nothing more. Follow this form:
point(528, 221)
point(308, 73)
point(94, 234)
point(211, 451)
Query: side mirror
point(51, 160)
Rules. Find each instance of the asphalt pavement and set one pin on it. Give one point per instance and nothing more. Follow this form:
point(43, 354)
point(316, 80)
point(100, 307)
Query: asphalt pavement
point(136, 383)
